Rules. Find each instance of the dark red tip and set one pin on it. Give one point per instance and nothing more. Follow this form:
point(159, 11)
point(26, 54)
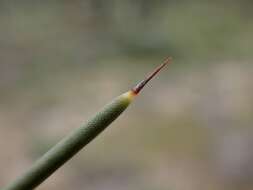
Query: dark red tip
point(141, 84)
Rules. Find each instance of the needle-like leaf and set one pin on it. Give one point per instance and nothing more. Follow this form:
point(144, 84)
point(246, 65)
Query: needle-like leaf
point(75, 141)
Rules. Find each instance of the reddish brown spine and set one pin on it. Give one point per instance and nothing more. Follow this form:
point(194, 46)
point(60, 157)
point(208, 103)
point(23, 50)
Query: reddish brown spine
point(141, 84)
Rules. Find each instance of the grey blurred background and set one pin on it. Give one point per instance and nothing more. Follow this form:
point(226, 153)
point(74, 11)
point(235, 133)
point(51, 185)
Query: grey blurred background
point(191, 129)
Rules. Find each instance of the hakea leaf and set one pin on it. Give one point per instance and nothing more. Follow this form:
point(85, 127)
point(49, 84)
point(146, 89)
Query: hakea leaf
point(75, 141)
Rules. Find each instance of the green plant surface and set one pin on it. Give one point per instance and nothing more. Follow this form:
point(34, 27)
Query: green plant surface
point(75, 141)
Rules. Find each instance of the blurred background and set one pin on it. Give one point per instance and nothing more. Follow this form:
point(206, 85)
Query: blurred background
point(61, 61)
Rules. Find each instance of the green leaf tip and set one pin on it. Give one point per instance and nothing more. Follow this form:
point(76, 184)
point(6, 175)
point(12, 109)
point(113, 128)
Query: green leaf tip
point(79, 138)
point(141, 84)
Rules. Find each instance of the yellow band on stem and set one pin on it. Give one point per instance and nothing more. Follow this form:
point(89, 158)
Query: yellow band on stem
point(129, 95)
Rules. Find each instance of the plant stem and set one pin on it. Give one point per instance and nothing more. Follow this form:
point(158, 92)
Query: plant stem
point(75, 141)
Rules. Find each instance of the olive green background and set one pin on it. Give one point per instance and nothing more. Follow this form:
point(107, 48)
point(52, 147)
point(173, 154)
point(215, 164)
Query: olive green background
point(190, 129)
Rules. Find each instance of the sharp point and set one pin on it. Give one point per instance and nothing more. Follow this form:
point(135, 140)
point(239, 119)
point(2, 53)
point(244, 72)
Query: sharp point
point(141, 84)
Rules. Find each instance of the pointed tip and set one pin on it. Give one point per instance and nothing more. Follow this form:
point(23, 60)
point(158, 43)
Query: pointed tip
point(141, 84)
